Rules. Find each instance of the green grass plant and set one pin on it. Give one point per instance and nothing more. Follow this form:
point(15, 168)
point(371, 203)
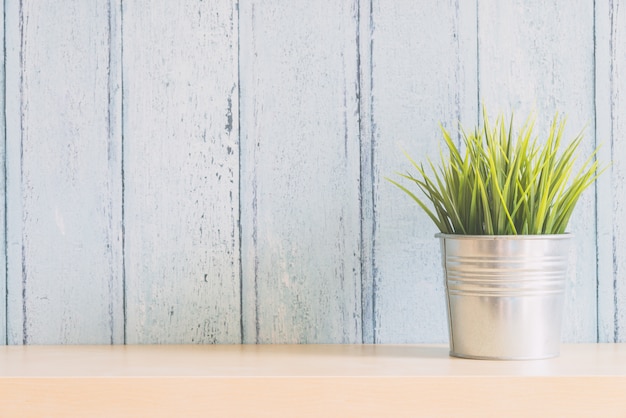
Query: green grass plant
point(502, 183)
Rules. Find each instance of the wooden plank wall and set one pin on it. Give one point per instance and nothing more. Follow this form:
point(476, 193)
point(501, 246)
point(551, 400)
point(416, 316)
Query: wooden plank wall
point(300, 171)
point(63, 176)
point(610, 104)
point(214, 171)
point(3, 260)
point(181, 175)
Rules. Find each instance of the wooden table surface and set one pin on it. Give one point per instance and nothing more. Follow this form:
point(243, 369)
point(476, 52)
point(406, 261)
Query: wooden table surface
point(306, 380)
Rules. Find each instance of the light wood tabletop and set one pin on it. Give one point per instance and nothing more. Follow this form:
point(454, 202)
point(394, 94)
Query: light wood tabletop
point(306, 380)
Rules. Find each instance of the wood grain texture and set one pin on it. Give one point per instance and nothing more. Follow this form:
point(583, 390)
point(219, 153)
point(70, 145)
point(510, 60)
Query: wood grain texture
point(63, 174)
point(125, 214)
point(423, 73)
point(3, 259)
point(611, 126)
point(181, 172)
point(366, 126)
point(300, 172)
point(588, 380)
point(539, 56)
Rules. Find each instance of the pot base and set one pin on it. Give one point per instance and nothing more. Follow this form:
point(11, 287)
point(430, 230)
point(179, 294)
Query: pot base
point(469, 357)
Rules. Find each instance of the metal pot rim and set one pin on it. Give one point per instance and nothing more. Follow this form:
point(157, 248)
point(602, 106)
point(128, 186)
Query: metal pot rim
point(566, 235)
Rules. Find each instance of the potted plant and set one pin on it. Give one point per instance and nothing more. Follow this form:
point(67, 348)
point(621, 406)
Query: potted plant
point(502, 203)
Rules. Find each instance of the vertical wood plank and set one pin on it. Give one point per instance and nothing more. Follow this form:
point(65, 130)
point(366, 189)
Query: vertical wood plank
point(63, 175)
point(424, 73)
point(619, 169)
point(611, 128)
point(3, 260)
point(538, 56)
point(13, 128)
point(181, 172)
point(300, 172)
point(366, 126)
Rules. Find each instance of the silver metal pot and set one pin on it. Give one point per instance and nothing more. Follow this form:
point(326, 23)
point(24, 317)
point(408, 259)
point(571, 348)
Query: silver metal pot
point(505, 294)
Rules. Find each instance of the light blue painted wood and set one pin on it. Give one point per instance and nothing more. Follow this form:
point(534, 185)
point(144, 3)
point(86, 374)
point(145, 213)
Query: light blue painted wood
point(331, 93)
point(539, 56)
point(366, 126)
point(611, 129)
point(3, 276)
point(63, 174)
point(300, 172)
point(181, 201)
point(423, 73)
point(13, 132)
point(619, 169)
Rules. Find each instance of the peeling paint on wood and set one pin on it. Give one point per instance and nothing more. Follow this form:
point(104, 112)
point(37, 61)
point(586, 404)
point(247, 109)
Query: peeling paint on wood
point(3, 275)
point(127, 218)
point(538, 56)
point(618, 174)
point(422, 75)
point(366, 125)
point(611, 125)
point(300, 172)
point(63, 174)
point(181, 201)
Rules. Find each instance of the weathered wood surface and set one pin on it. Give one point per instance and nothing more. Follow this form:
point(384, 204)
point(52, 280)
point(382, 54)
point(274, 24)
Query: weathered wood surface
point(181, 160)
point(63, 174)
point(138, 210)
point(366, 126)
point(539, 56)
point(611, 127)
point(421, 77)
point(300, 172)
point(3, 275)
